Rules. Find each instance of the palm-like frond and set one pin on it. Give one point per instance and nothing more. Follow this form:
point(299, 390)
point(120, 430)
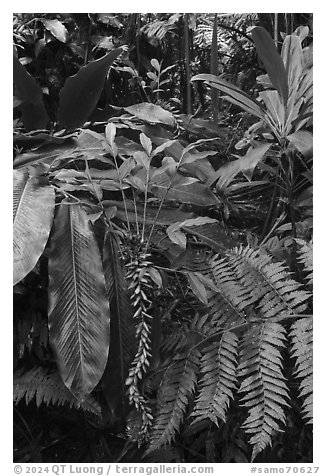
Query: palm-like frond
point(218, 368)
point(48, 388)
point(264, 384)
point(78, 306)
point(176, 388)
point(302, 351)
point(33, 212)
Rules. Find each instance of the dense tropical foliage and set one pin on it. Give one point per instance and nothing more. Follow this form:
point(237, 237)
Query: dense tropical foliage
point(162, 237)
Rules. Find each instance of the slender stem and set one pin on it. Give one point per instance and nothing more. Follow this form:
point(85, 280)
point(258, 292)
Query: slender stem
point(88, 40)
point(214, 70)
point(122, 190)
point(137, 39)
point(292, 218)
point(239, 326)
point(136, 211)
point(145, 207)
point(65, 193)
point(275, 225)
point(272, 203)
point(162, 201)
point(216, 334)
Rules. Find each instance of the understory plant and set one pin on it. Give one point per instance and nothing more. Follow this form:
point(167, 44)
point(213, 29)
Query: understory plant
point(110, 223)
point(281, 141)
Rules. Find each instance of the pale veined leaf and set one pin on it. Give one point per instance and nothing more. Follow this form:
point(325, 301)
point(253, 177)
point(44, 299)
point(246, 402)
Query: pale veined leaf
point(176, 236)
point(197, 287)
point(57, 29)
point(146, 143)
point(79, 316)
point(33, 216)
point(151, 113)
point(155, 64)
point(110, 133)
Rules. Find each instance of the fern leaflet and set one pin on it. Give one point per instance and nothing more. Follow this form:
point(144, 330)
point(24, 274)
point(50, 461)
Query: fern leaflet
point(218, 367)
point(176, 388)
point(301, 337)
point(264, 384)
point(48, 388)
point(305, 257)
point(227, 299)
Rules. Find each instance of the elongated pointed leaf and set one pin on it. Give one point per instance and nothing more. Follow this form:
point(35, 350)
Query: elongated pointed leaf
point(81, 92)
point(272, 60)
point(195, 192)
point(197, 287)
point(33, 216)
point(34, 115)
point(79, 316)
point(122, 329)
point(238, 96)
point(275, 111)
point(244, 164)
point(293, 60)
point(303, 141)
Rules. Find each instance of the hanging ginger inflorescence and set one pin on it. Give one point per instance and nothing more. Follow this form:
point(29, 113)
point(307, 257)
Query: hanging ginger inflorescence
point(140, 283)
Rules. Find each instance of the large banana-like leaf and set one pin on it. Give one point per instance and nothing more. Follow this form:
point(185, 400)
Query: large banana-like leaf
point(79, 316)
point(33, 216)
point(123, 342)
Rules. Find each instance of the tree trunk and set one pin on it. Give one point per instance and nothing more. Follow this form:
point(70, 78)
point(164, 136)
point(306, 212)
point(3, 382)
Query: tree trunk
point(276, 30)
point(187, 64)
point(215, 95)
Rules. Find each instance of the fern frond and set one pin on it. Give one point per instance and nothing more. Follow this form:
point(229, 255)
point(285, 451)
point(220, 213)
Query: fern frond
point(268, 283)
point(218, 367)
point(264, 384)
point(48, 388)
point(305, 257)
point(172, 341)
point(302, 342)
point(228, 299)
point(176, 388)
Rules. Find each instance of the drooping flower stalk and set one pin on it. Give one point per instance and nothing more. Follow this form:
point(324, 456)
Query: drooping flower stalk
point(140, 285)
